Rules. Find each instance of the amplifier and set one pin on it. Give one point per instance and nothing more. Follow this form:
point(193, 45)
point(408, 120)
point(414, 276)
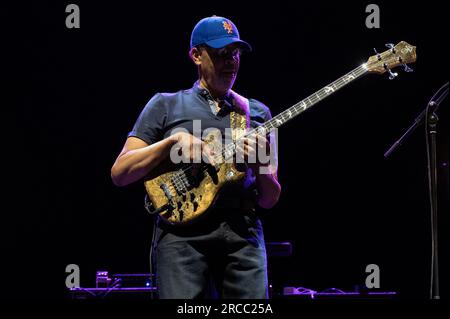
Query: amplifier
point(118, 286)
point(333, 293)
point(134, 280)
point(113, 293)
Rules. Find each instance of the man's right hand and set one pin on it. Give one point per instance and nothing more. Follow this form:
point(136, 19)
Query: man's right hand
point(191, 149)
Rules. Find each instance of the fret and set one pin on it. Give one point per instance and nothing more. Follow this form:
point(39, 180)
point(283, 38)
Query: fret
point(303, 105)
point(329, 89)
point(289, 114)
point(300, 107)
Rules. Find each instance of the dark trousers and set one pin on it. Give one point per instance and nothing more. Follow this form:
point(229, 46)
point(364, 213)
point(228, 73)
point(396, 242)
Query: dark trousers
point(223, 256)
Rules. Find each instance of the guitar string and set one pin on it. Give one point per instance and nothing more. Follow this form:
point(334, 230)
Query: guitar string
point(312, 99)
point(339, 83)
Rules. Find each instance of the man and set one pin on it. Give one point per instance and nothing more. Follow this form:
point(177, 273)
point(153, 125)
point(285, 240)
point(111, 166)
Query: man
point(226, 249)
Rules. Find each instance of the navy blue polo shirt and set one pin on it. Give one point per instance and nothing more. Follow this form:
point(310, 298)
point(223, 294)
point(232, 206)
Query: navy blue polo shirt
point(167, 111)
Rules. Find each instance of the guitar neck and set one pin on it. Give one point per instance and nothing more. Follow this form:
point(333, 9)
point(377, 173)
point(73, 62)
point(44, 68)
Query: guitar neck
point(299, 108)
point(314, 98)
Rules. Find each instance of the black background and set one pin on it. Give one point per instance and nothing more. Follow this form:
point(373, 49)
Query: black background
point(77, 93)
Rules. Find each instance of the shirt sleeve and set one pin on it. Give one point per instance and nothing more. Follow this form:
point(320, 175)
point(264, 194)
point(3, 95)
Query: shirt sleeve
point(259, 113)
point(150, 124)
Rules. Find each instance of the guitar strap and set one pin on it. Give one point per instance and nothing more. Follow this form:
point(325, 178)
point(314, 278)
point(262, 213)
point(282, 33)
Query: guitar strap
point(240, 116)
point(240, 123)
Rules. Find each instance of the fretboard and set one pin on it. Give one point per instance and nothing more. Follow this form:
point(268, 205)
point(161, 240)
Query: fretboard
point(314, 98)
point(300, 107)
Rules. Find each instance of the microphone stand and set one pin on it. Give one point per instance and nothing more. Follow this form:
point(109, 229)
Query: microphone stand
point(431, 120)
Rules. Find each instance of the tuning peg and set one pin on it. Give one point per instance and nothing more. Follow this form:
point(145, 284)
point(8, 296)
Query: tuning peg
point(378, 55)
point(390, 46)
point(407, 68)
point(392, 75)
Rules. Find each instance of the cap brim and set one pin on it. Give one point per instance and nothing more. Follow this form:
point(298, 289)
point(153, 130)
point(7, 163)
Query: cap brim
point(220, 43)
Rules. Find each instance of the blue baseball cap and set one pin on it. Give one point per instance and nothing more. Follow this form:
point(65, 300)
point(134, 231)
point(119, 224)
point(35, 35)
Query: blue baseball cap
point(216, 32)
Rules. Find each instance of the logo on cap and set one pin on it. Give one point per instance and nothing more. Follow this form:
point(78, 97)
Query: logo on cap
point(227, 26)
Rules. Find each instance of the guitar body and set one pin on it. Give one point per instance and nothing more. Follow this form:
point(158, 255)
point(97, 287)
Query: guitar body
point(181, 204)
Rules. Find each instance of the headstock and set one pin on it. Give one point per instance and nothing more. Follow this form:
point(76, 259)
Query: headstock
point(401, 54)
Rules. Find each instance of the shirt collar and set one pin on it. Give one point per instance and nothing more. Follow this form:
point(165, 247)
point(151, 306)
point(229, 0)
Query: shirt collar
point(205, 93)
